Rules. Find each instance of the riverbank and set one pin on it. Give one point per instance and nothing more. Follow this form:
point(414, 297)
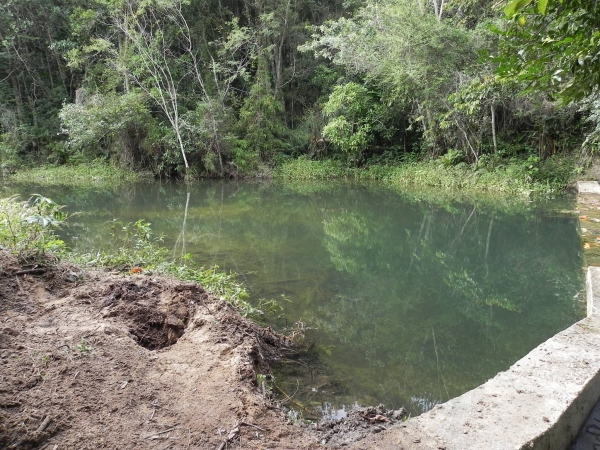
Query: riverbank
point(523, 178)
point(81, 175)
point(96, 360)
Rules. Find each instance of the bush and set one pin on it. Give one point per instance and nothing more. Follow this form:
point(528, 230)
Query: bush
point(27, 229)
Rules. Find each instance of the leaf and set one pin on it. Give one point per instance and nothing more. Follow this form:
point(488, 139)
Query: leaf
point(541, 6)
point(515, 6)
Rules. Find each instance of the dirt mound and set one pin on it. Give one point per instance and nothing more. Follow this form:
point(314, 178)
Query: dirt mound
point(93, 360)
point(359, 423)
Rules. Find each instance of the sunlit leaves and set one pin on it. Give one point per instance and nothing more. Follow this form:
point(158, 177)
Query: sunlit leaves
point(27, 228)
point(556, 49)
point(515, 6)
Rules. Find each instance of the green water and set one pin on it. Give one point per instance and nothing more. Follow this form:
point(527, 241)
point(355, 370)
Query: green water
point(408, 302)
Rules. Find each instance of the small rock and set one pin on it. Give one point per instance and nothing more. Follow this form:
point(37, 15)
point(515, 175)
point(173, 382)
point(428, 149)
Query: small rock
point(107, 329)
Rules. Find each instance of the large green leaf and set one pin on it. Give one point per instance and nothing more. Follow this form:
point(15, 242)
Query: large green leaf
point(515, 6)
point(541, 6)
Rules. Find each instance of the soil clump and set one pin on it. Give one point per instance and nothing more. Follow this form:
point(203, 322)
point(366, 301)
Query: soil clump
point(92, 360)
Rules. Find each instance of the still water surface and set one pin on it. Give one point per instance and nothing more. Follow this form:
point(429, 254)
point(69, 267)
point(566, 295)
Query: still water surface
point(409, 302)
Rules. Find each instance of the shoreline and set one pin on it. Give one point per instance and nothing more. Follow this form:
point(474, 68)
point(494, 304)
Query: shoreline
point(118, 361)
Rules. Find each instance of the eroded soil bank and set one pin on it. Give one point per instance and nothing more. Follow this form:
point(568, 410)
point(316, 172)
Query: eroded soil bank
point(93, 360)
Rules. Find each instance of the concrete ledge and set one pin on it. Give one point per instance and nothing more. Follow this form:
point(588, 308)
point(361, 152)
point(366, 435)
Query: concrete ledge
point(592, 284)
point(588, 187)
point(541, 402)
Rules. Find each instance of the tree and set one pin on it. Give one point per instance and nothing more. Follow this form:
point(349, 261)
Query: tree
point(553, 46)
point(34, 79)
point(401, 47)
point(154, 68)
point(356, 116)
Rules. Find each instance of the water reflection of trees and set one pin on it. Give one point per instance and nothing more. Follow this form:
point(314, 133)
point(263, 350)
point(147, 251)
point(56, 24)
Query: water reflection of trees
point(446, 297)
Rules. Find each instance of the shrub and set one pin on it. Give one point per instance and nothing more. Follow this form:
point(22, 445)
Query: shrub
point(27, 229)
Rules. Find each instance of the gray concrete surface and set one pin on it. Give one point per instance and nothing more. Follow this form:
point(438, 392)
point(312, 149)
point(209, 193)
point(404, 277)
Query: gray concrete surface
point(588, 187)
point(541, 402)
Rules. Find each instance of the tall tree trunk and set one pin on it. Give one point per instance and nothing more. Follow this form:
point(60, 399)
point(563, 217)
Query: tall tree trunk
point(494, 128)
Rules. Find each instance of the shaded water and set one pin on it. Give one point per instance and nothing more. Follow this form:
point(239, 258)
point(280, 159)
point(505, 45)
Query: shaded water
point(410, 302)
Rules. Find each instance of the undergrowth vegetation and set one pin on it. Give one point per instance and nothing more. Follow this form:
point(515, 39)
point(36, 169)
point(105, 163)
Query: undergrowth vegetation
point(516, 176)
point(84, 174)
point(28, 228)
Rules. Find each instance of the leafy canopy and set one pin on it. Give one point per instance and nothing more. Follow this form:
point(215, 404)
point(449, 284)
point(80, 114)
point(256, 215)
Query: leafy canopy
point(553, 46)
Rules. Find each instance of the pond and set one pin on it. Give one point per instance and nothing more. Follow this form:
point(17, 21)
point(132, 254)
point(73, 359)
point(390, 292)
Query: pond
point(407, 299)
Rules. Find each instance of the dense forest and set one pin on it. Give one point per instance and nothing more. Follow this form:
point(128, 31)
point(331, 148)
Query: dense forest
point(234, 88)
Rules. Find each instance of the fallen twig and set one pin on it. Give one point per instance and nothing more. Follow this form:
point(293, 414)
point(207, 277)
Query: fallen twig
point(44, 424)
point(290, 399)
point(253, 426)
point(153, 435)
point(19, 283)
point(235, 431)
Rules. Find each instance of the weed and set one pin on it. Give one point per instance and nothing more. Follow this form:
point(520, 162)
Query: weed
point(295, 417)
point(265, 382)
point(84, 347)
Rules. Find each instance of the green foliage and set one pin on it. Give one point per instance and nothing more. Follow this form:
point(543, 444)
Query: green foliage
point(106, 124)
point(95, 173)
point(84, 347)
point(27, 229)
point(304, 168)
point(415, 63)
point(451, 157)
point(553, 46)
point(356, 116)
point(166, 87)
point(132, 245)
point(523, 177)
point(591, 106)
point(260, 121)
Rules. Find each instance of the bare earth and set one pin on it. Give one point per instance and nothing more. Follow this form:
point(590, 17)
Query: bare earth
point(93, 361)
